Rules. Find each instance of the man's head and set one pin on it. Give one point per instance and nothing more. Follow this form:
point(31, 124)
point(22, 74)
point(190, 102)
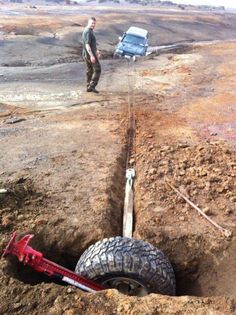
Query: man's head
point(92, 23)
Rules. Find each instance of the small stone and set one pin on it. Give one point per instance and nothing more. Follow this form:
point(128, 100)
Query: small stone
point(207, 185)
point(165, 148)
point(228, 211)
point(152, 171)
point(132, 161)
point(201, 172)
point(233, 199)
point(218, 171)
point(207, 210)
point(214, 179)
point(187, 181)
point(222, 189)
point(185, 210)
point(6, 221)
point(40, 222)
point(17, 306)
point(201, 185)
point(182, 218)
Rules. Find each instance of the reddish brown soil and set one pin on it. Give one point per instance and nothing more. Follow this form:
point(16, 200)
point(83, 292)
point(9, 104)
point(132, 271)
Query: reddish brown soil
point(65, 167)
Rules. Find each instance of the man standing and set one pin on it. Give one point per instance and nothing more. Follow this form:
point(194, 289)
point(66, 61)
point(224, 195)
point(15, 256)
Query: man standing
point(91, 55)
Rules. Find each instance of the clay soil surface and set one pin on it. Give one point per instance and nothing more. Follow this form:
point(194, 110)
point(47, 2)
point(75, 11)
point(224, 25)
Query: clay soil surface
point(63, 154)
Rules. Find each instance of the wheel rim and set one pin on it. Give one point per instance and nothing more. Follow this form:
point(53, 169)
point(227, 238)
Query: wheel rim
point(127, 286)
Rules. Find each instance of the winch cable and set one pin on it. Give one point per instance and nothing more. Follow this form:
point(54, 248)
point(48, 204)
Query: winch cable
point(131, 132)
point(130, 158)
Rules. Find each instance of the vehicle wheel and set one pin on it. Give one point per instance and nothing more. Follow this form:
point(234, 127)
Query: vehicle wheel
point(133, 267)
point(115, 56)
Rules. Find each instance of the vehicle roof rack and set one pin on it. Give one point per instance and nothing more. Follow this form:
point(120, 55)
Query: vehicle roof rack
point(137, 31)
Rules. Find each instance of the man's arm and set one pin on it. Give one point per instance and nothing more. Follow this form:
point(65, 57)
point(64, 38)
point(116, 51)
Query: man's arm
point(89, 50)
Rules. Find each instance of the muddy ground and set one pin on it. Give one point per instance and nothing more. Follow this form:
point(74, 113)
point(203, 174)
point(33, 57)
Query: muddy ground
point(63, 155)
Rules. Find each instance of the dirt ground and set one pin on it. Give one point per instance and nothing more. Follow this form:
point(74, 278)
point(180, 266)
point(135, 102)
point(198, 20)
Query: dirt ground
point(63, 155)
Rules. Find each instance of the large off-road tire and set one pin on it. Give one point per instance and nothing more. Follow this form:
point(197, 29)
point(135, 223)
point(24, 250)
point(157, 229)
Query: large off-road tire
point(131, 266)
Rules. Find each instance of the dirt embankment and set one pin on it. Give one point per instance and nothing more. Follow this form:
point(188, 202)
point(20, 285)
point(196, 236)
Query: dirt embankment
point(64, 166)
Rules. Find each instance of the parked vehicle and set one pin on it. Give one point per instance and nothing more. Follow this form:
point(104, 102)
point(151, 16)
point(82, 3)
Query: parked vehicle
point(133, 43)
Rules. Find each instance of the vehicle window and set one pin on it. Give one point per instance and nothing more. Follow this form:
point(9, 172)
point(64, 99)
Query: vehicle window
point(134, 39)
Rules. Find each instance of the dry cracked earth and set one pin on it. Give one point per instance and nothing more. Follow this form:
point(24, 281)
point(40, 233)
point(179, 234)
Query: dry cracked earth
point(63, 153)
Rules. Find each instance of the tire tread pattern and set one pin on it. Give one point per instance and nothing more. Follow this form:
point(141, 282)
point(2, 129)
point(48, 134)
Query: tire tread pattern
point(132, 258)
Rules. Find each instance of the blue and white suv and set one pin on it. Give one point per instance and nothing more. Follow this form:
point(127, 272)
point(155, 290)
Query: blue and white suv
point(133, 43)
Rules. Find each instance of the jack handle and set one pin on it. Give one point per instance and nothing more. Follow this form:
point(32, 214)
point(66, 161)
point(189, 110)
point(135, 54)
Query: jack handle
point(21, 249)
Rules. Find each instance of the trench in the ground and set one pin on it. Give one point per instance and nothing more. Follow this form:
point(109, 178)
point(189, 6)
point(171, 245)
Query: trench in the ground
point(203, 275)
point(191, 280)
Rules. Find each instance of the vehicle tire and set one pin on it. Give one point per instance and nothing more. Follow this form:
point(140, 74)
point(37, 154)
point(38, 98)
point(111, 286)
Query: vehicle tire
point(116, 56)
point(133, 267)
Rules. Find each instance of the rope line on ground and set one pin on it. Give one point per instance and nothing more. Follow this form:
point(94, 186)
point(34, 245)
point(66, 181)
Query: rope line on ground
point(130, 172)
point(131, 117)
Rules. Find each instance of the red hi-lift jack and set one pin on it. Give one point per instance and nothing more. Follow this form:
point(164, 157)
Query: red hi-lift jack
point(29, 256)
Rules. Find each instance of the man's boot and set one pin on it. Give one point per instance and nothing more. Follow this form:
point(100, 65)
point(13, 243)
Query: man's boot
point(92, 89)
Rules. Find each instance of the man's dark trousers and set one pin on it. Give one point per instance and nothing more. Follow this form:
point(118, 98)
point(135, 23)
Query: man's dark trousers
point(93, 72)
